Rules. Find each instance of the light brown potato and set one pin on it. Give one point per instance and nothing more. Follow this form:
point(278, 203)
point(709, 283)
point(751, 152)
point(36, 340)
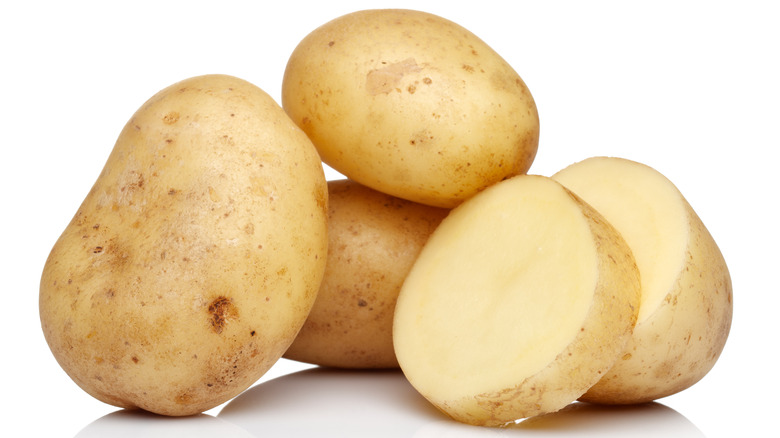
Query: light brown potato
point(412, 105)
point(685, 313)
point(374, 239)
point(520, 301)
point(192, 263)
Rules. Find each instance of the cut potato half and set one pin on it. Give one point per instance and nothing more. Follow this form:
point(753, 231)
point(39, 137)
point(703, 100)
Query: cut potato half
point(520, 301)
point(686, 307)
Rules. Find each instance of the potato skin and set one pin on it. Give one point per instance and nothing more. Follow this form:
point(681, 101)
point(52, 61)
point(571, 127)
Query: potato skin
point(374, 239)
point(412, 105)
point(193, 261)
point(682, 340)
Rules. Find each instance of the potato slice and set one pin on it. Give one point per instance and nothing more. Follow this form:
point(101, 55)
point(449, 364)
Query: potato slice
point(520, 301)
point(686, 307)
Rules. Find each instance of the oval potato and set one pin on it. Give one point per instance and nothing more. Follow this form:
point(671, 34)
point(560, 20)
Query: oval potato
point(192, 263)
point(411, 104)
point(374, 239)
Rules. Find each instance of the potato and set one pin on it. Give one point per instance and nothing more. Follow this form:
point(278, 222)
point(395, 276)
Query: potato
point(192, 263)
point(411, 104)
point(686, 308)
point(373, 240)
point(519, 302)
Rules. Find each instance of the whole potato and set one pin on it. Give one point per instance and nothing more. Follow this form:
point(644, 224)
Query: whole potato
point(411, 104)
point(192, 263)
point(374, 239)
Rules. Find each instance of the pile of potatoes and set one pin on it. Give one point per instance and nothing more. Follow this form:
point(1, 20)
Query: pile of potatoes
point(211, 244)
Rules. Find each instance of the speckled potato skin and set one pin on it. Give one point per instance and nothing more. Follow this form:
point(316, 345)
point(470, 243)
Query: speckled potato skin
point(374, 239)
point(682, 340)
point(192, 263)
point(412, 105)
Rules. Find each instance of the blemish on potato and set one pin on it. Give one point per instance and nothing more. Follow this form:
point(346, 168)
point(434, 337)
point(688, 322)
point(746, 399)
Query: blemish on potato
point(183, 398)
point(221, 310)
point(213, 195)
point(386, 79)
point(171, 118)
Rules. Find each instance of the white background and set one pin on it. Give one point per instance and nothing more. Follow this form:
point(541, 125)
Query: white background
point(688, 87)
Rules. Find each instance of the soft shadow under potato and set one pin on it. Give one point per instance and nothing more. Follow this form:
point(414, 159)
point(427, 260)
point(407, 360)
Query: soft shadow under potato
point(587, 419)
point(332, 402)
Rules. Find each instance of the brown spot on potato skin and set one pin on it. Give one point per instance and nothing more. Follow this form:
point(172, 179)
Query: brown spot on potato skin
point(221, 310)
point(183, 399)
point(171, 118)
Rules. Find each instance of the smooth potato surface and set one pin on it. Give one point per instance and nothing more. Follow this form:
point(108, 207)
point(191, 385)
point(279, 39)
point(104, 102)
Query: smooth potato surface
point(686, 308)
point(195, 258)
point(412, 105)
point(374, 239)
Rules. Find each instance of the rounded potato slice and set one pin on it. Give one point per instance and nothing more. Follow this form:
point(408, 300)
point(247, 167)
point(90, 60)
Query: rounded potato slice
point(686, 307)
point(520, 301)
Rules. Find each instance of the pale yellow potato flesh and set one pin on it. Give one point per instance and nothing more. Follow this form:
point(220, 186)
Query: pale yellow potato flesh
point(686, 307)
point(374, 239)
point(411, 104)
point(520, 301)
point(192, 263)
